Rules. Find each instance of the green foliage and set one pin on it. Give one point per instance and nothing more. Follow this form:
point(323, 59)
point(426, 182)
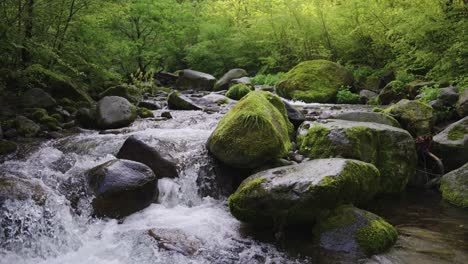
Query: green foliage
point(345, 96)
point(267, 79)
point(429, 93)
point(238, 91)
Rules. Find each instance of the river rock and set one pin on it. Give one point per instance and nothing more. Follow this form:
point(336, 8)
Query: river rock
point(86, 117)
point(462, 104)
point(166, 78)
point(15, 188)
point(26, 127)
point(315, 81)
point(137, 150)
point(150, 104)
point(122, 187)
point(392, 150)
point(236, 92)
point(355, 232)
point(223, 83)
point(129, 92)
point(244, 80)
point(213, 99)
point(298, 194)
point(195, 80)
point(454, 186)
point(393, 92)
point(414, 116)
point(254, 131)
point(295, 116)
point(115, 112)
point(366, 95)
point(7, 147)
point(448, 96)
point(37, 98)
point(374, 117)
point(451, 145)
point(178, 101)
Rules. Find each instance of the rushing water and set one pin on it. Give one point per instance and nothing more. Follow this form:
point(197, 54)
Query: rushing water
point(183, 227)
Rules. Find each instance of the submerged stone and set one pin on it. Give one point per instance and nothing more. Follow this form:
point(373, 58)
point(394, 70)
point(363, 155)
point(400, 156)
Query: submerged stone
point(254, 131)
point(392, 150)
point(298, 194)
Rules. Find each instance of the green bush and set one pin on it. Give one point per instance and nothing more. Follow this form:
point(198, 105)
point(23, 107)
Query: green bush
point(267, 79)
point(345, 96)
point(429, 94)
point(238, 91)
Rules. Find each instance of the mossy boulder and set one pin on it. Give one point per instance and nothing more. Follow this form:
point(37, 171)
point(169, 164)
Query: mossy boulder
point(57, 84)
point(86, 117)
point(299, 194)
point(414, 116)
point(315, 81)
point(355, 232)
point(7, 147)
point(42, 117)
point(393, 92)
point(115, 112)
point(454, 187)
point(392, 150)
point(254, 131)
point(236, 92)
point(451, 145)
point(178, 101)
point(144, 112)
point(223, 83)
point(129, 92)
point(26, 127)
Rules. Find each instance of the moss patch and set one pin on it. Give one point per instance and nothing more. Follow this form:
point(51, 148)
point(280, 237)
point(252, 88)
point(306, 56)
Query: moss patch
point(238, 91)
point(144, 112)
point(377, 237)
point(454, 187)
point(414, 116)
point(314, 81)
point(458, 132)
point(315, 143)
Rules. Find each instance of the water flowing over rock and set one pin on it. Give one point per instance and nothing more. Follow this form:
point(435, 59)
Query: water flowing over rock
point(253, 132)
point(298, 194)
point(392, 150)
point(122, 187)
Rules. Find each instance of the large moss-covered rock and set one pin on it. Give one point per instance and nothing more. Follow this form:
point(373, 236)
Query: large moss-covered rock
point(37, 98)
point(414, 116)
point(178, 101)
point(393, 92)
point(462, 104)
point(253, 132)
point(236, 92)
point(392, 150)
point(223, 83)
point(26, 127)
point(451, 145)
point(129, 92)
point(195, 80)
point(58, 85)
point(454, 186)
point(42, 117)
point(115, 112)
point(315, 81)
point(122, 187)
point(355, 232)
point(7, 147)
point(298, 194)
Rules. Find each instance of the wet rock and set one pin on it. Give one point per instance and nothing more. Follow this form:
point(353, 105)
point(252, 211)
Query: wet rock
point(315, 81)
point(393, 92)
point(392, 150)
point(451, 145)
point(129, 92)
point(244, 80)
point(254, 131)
point(86, 117)
point(177, 101)
point(454, 186)
point(462, 104)
point(7, 147)
point(122, 187)
point(298, 194)
point(195, 80)
point(115, 112)
point(149, 104)
point(14, 188)
point(175, 241)
point(448, 96)
point(355, 232)
point(223, 83)
point(236, 92)
point(166, 115)
point(166, 78)
point(366, 95)
point(213, 99)
point(373, 117)
point(136, 150)
point(26, 127)
point(414, 116)
point(37, 98)
point(144, 112)
point(295, 116)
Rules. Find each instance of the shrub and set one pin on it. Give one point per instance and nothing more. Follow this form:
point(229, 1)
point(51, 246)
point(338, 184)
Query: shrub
point(429, 94)
point(267, 79)
point(345, 96)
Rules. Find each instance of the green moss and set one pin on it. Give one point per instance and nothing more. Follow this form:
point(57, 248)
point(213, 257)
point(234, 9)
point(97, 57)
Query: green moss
point(252, 132)
point(130, 92)
point(144, 112)
point(238, 91)
point(334, 220)
point(345, 96)
point(38, 114)
point(315, 143)
point(377, 237)
point(393, 92)
point(222, 101)
point(7, 147)
point(458, 132)
point(314, 81)
point(237, 200)
point(377, 109)
point(454, 187)
point(57, 117)
point(414, 116)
